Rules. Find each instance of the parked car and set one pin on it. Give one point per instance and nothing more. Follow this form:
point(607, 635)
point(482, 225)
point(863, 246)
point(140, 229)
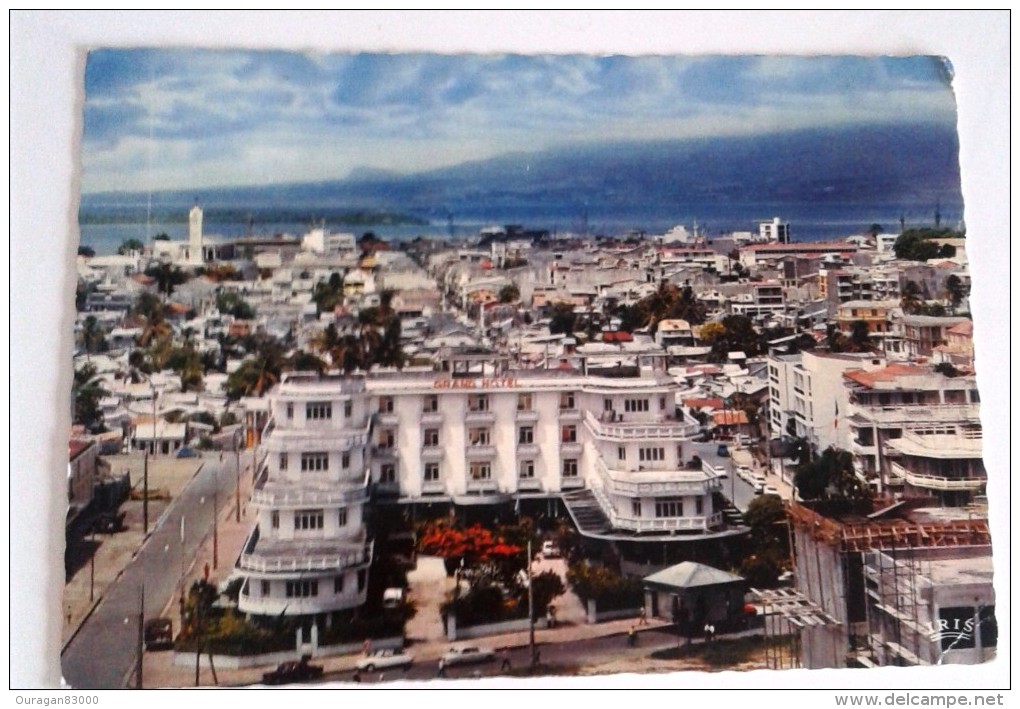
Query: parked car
point(744, 472)
point(385, 659)
point(770, 490)
point(159, 634)
point(293, 672)
point(550, 550)
point(723, 451)
point(186, 452)
point(467, 655)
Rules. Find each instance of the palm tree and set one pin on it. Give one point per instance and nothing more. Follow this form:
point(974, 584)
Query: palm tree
point(910, 297)
point(93, 336)
point(955, 291)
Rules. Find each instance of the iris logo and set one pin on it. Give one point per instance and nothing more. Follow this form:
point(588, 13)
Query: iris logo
point(952, 629)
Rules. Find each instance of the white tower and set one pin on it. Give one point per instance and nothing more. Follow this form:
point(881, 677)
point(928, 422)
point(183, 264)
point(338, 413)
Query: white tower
point(195, 253)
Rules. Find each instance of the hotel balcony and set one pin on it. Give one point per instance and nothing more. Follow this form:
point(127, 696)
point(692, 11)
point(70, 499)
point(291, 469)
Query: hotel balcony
point(286, 495)
point(654, 483)
point(527, 450)
point(325, 602)
point(304, 440)
point(529, 485)
point(572, 483)
point(480, 452)
point(432, 418)
point(388, 418)
point(482, 486)
point(701, 523)
point(933, 482)
point(570, 448)
point(384, 452)
point(858, 448)
point(570, 414)
point(433, 487)
point(296, 556)
point(665, 428)
point(432, 454)
point(474, 417)
point(526, 416)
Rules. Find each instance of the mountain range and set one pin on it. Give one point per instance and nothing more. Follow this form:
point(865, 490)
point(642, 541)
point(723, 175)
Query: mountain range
point(896, 166)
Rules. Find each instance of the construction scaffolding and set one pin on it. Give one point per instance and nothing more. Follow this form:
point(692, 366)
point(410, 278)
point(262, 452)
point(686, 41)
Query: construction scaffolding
point(785, 612)
point(877, 594)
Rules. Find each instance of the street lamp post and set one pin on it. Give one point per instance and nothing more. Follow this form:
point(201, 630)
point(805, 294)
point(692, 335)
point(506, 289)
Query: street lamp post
point(237, 462)
point(531, 612)
point(216, 518)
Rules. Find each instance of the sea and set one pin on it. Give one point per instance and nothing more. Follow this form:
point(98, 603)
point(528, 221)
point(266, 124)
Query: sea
point(808, 222)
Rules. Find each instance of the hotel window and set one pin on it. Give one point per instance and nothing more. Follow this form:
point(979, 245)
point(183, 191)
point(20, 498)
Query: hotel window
point(479, 436)
point(651, 454)
point(635, 508)
point(345, 460)
point(431, 404)
point(338, 585)
point(314, 461)
point(569, 434)
point(341, 518)
point(348, 409)
point(669, 507)
point(308, 519)
point(388, 473)
point(524, 402)
point(527, 469)
point(265, 589)
point(635, 405)
point(526, 434)
point(431, 437)
point(386, 404)
point(699, 506)
point(274, 519)
point(431, 472)
point(621, 452)
point(283, 461)
point(607, 404)
point(478, 402)
point(290, 411)
point(386, 438)
point(662, 403)
point(570, 468)
point(480, 471)
point(567, 400)
point(319, 410)
point(302, 589)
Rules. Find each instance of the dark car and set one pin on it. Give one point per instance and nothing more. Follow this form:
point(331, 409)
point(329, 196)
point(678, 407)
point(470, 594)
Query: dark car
point(293, 672)
point(723, 451)
point(186, 452)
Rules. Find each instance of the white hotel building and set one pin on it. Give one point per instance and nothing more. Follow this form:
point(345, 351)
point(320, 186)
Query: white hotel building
point(607, 442)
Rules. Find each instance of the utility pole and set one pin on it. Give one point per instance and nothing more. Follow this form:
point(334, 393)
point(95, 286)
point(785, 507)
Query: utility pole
point(92, 566)
point(216, 518)
point(531, 612)
point(141, 636)
point(145, 484)
point(237, 455)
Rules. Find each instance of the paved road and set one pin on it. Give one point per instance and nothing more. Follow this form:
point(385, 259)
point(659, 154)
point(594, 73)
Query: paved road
point(104, 653)
point(556, 658)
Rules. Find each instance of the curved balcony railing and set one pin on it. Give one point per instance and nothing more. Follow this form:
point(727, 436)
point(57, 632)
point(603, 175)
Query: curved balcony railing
point(672, 482)
point(934, 482)
point(641, 430)
point(292, 496)
point(325, 602)
point(915, 413)
point(299, 441)
point(296, 561)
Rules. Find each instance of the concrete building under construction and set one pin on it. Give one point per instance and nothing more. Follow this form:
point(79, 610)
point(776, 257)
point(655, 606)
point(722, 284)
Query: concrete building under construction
point(900, 584)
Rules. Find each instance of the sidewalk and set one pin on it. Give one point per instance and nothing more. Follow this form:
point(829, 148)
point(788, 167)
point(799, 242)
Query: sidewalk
point(97, 560)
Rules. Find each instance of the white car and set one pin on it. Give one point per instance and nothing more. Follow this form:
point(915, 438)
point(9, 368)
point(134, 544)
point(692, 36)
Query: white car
point(468, 654)
point(384, 659)
point(770, 490)
point(550, 550)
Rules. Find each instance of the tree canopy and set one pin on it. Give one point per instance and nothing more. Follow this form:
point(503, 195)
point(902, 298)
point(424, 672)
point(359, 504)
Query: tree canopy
point(920, 244)
point(830, 476)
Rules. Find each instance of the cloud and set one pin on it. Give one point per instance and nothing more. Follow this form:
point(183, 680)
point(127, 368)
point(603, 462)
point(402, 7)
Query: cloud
point(239, 117)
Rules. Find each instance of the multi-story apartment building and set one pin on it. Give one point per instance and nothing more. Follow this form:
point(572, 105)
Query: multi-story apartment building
point(917, 430)
point(607, 440)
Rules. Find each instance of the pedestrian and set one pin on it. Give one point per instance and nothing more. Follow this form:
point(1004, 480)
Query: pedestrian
point(357, 676)
point(711, 631)
point(548, 617)
point(705, 632)
point(442, 668)
point(505, 654)
point(631, 637)
point(366, 647)
point(643, 617)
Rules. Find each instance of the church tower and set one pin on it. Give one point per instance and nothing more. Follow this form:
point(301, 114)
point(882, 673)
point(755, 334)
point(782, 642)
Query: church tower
point(195, 236)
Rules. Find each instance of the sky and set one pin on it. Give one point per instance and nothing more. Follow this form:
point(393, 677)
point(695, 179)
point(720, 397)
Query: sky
point(158, 119)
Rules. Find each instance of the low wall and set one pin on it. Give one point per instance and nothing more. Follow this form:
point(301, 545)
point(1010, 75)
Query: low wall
point(455, 632)
point(237, 662)
point(597, 616)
